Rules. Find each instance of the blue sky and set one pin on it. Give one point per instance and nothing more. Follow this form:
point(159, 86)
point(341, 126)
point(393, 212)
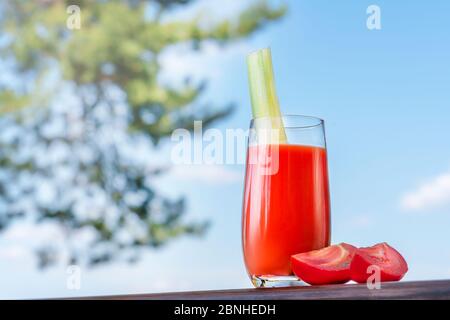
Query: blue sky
point(385, 98)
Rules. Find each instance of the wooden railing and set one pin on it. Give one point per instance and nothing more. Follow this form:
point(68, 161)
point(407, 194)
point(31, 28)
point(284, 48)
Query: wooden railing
point(439, 289)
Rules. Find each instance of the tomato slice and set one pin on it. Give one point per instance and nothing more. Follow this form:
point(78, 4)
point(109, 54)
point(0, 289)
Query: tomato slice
point(390, 262)
point(324, 266)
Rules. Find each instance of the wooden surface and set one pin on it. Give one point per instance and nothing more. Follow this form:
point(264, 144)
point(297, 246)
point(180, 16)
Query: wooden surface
point(393, 290)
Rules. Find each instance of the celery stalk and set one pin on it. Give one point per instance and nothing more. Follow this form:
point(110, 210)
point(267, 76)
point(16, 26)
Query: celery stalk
point(264, 97)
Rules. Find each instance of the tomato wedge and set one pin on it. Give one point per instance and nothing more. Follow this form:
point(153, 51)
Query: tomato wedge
point(324, 266)
point(391, 263)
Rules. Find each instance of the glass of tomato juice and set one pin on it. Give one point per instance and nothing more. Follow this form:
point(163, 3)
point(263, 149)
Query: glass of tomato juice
point(286, 206)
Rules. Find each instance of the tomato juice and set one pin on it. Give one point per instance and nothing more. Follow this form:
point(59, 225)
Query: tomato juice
point(286, 206)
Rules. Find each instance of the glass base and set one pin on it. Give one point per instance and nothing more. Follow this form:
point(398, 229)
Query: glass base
point(276, 281)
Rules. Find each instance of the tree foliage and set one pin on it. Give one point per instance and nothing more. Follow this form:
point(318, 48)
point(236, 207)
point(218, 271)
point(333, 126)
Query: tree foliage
point(77, 105)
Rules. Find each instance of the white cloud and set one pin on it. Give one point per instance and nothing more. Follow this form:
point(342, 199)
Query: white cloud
point(434, 193)
point(31, 233)
point(20, 240)
point(210, 174)
point(14, 252)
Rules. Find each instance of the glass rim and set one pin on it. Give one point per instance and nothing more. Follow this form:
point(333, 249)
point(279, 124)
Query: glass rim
point(319, 121)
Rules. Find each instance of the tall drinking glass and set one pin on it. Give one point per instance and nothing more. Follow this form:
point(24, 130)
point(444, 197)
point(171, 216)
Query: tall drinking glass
point(286, 207)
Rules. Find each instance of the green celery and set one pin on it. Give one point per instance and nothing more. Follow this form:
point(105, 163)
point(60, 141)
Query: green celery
point(264, 97)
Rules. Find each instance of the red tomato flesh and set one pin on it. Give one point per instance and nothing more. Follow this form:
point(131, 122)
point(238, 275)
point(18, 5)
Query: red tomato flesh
point(390, 262)
point(324, 266)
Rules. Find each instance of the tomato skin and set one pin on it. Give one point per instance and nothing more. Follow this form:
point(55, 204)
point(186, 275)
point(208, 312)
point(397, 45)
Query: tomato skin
point(314, 276)
point(330, 265)
point(390, 262)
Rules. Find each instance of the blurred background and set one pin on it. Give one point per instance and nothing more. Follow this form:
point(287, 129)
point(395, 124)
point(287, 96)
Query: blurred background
point(87, 108)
